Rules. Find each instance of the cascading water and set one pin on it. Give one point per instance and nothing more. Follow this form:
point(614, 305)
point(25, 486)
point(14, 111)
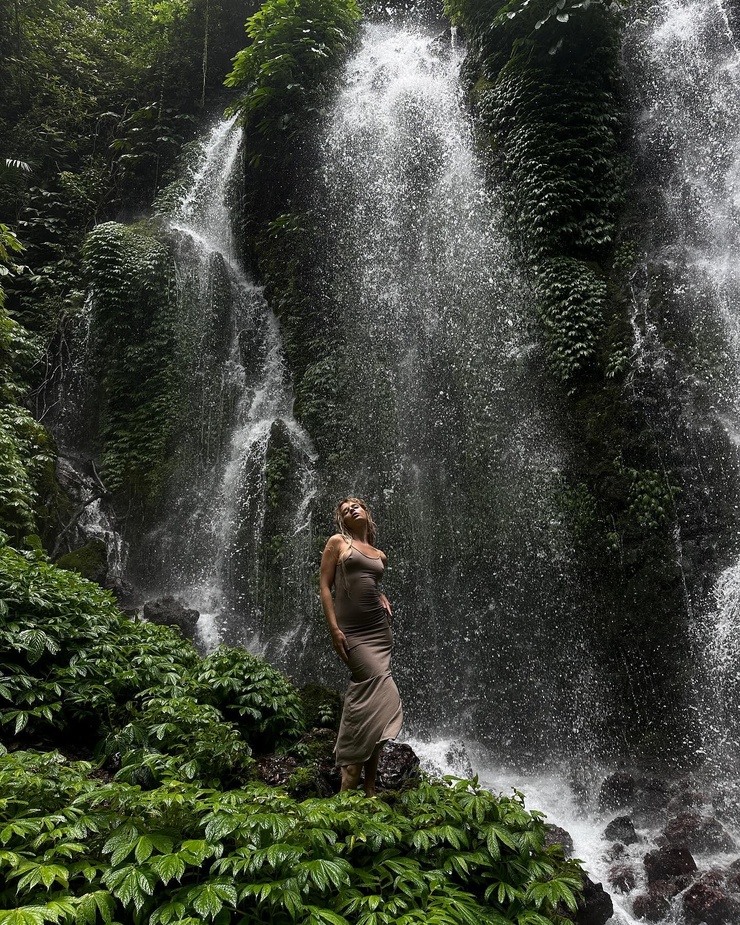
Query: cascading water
point(211, 550)
point(682, 69)
point(448, 422)
point(684, 61)
point(67, 406)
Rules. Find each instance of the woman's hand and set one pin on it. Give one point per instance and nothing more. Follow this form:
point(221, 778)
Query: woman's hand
point(339, 641)
point(387, 607)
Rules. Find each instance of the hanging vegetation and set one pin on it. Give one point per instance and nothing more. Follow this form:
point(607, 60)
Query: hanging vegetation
point(133, 351)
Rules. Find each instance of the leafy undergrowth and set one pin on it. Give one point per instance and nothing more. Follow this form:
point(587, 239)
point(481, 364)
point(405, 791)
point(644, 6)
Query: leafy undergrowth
point(75, 672)
point(78, 849)
point(166, 825)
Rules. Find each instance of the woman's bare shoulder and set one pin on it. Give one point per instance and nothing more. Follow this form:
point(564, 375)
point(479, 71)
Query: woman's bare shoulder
point(337, 541)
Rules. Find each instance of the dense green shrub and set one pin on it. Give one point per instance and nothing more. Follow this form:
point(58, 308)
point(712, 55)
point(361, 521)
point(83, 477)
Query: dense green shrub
point(259, 700)
point(97, 100)
point(160, 844)
point(68, 658)
point(285, 76)
point(294, 45)
point(78, 849)
point(176, 735)
point(75, 670)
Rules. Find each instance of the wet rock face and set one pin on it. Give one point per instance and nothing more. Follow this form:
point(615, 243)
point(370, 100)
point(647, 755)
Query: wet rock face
point(733, 877)
point(317, 775)
point(90, 561)
point(655, 905)
point(686, 800)
point(596, 908)
point(169, 612)
point(652, 794)
point(622, 877)
point(699, 833)
point(616, 791)
point(710, 905)
point(555, 835)
point(621, 830)
point(669, 861)
point(398, 764)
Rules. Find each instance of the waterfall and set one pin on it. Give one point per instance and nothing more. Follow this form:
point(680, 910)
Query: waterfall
point(212, 547)
point(448, 426)
point(684, 62)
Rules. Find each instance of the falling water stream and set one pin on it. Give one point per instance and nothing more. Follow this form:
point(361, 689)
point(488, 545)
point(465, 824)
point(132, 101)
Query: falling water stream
point(208, 549)
point(685, 61)
point(441, 378)
point(433, 309)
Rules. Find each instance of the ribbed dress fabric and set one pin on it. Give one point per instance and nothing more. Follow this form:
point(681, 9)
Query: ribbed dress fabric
point(372, 710)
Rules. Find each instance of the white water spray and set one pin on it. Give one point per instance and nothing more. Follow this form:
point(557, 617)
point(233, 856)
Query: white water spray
point(208, 551)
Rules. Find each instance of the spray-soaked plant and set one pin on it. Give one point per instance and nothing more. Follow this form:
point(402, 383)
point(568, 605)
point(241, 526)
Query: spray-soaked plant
point(257, 698)
point(79, 849)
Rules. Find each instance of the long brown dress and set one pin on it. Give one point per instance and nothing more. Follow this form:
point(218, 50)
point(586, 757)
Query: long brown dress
point(372, 706)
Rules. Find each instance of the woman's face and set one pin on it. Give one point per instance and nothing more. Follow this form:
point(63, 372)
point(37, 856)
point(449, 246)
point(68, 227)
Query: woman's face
point(352, 513)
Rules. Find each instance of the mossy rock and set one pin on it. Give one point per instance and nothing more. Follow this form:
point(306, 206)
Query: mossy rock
point(322, 707)
point(90, 561)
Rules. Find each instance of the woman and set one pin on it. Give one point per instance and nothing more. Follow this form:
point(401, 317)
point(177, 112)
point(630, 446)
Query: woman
point(359, 619)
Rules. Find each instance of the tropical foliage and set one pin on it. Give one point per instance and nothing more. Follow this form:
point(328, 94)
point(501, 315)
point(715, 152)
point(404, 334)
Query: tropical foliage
point(76, 848)
point(294, 44)
point(132, 351)
point(26, 457)
point(284, 76)
point(75, 670)
point(168, 827)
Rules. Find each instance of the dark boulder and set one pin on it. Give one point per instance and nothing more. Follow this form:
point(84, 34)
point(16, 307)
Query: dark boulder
point(668, 861)
point(733, 877)
point(615, 852)
point(616, 791)
point(317, 775)
point(555, 835)
point(90, 561)
point(123, 592)
point(596, 907)
point(655, 905)
point(167, 611)
point(622, 877)
point(685, 800)
point(621, 830)
point(699, 833)
point(652, 794)
point(313, 776)
point(398, 764)
point(715, 876)
point(276, 770)
point(710, 905)
point(733, 882)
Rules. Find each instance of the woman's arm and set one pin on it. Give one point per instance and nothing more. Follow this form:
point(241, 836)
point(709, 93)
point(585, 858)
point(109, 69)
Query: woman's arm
point(329, 561)
point(383, 599)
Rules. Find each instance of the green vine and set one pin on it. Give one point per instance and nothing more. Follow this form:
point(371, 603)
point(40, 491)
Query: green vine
point(294, 45)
